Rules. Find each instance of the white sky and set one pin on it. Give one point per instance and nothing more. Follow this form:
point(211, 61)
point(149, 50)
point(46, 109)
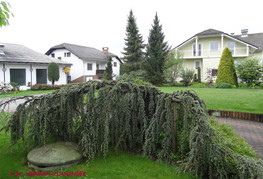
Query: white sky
point(41, 24)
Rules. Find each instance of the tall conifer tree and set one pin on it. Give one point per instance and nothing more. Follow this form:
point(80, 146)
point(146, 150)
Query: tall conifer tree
point(226, 69)
point(133, 50)
point(156, 51)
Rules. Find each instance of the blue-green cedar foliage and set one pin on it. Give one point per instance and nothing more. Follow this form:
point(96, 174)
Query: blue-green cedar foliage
point(103, 115)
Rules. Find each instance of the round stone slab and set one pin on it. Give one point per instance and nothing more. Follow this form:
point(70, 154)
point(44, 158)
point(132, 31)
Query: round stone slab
point(55, 155)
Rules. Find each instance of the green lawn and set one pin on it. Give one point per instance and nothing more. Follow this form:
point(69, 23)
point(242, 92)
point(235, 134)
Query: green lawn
point(243, 100)
point(27, 92)
point(115, 165)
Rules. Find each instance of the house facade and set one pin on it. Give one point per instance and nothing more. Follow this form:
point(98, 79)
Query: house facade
point(27, 67)
point(204, 49)
point(88, 63)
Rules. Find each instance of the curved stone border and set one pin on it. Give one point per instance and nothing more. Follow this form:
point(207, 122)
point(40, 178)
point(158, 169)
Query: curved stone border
point(237, 115)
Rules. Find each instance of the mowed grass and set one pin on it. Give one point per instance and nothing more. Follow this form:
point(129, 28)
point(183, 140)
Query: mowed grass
point(242, 100)
point(27, 92)
point(115, 165)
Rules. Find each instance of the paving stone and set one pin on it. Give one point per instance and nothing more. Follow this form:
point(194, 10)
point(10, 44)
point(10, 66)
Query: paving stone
point(250, 131)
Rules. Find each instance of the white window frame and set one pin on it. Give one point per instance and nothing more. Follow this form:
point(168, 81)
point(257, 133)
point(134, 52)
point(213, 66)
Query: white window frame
point(195, 66)
point(213, 50)
point(234, 48)
point(194, 50)
point(196, 54)
point(89, 65)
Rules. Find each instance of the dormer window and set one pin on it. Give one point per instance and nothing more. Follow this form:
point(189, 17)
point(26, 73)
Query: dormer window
point(2, 49)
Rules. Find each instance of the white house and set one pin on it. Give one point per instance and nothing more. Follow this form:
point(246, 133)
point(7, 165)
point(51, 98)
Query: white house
point(27, 67)
point(204, 49)
point(88, 63)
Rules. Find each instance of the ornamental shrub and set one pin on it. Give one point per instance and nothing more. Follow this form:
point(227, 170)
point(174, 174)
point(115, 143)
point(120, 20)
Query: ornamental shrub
point(226, 69)
point(53, 72)
point(187, 76)
point(249, 70)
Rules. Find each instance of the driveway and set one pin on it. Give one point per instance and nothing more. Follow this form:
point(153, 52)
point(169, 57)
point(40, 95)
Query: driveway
point(12, 106)
point(250, 131)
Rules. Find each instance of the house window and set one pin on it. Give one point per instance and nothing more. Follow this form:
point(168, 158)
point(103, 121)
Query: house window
point(214, 46)
point(18, 76)
point(197, 64)
point(199, 50)
point(214, 72)
point(89, 66)
point(59, 58)
point(41, 76)
point(53, 55)
point(115, 64)
point(194, 50)
point(231, 46)
point(97, 66)
point(67, 54)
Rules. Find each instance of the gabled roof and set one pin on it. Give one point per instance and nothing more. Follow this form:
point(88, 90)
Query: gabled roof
point(83, 52)
point(209, 32)
point(213, 32)
point(15, 53)
point(256, 39)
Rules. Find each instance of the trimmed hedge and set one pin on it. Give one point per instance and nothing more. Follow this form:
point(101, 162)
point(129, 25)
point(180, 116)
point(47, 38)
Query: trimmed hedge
point(45, 87)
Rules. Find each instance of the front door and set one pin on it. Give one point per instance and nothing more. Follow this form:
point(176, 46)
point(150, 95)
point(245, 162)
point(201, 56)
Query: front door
point(41, 76)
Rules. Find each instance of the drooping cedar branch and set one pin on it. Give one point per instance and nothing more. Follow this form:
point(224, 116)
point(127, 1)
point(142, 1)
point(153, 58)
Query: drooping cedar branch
point(102, 115)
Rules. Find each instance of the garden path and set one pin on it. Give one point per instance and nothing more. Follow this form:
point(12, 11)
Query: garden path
point(251, 131)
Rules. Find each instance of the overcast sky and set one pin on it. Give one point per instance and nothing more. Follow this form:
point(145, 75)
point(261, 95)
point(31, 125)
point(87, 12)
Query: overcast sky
point(41, 24)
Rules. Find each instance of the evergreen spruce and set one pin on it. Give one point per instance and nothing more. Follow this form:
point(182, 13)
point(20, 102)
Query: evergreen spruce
point(108, 71)
point(226, 69)
point(134, 44)
point(156, 51)
point(53, 72)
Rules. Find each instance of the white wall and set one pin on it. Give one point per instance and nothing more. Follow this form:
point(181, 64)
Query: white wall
point(90, 72)
point(62, 79)
point(80, 67)
point(116, 70)
point(77, 68)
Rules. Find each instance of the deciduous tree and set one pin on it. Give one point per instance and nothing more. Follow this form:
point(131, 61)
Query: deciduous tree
point(4, 13)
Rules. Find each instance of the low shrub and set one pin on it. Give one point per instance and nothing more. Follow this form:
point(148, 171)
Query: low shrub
point(223, 85)
point(132, 76)
point(200, 85)
point(187, 76)
point(45, 87)
point(141, 82)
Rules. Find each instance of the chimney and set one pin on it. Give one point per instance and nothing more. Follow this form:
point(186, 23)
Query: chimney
point(2, 46)
point(244, 32)
point(105, 49)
